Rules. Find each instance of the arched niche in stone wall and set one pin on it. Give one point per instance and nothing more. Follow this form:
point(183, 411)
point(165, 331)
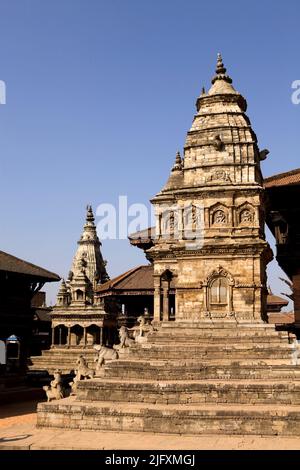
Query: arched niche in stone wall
point(218, 294)
point(219, 215)
point(79, 295)
point(245, 215)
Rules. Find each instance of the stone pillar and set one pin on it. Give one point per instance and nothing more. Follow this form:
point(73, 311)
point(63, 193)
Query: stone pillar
point(84, 336)
point(157, 307)
point(69, 336)
point(230, 298)
point(53, 333)
point(206, 218)
point(158, 225)
point(232, 221)
point(59, 340)
point(205, 299)
point(180, 223)
point(296, 285)
point(101, 335)
point(165, 285)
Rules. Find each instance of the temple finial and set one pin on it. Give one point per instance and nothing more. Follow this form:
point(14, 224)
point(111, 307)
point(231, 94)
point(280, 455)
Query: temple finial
point(221, 71)
point(89, 214)
point(178, 162)
point(63, 286)
point(220, 66)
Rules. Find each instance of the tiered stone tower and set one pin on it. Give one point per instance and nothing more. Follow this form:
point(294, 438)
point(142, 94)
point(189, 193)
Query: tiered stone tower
point(89, 251)
point(79, 319)
point(218, 368)
point(210, 216)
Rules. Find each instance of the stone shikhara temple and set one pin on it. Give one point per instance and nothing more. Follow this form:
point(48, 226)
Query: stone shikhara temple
point(80, 318)
point(216, 366)
point(210, 216)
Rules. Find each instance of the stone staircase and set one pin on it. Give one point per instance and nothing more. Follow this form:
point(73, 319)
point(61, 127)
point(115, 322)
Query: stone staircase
point(62, 358)
point(192, 378)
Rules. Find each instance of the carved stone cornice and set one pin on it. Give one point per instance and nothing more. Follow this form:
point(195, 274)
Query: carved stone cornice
point(207, 192)
point(71, 323)
point(80, 317)
point(209, 251)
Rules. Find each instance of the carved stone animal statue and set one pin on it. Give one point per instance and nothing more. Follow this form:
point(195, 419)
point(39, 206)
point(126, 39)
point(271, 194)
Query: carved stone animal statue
point(73, 385)
point(139, 331)
point(142, 322)
point(263, 154)
point(55, 391)
point(104, 354)
point(125, 341)
point(143, 329)
point(83, 370)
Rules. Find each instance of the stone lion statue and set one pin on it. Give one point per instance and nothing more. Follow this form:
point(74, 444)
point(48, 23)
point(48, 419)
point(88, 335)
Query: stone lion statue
point(83, 371)
point(104, 354)
point(143, 329)
point(125, 341)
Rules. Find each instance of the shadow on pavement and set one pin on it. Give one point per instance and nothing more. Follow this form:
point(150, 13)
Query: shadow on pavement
point(17, 409)
point(14, 438)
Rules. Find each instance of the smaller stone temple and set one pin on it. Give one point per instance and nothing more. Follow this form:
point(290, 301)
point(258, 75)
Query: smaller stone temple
point(80, 318)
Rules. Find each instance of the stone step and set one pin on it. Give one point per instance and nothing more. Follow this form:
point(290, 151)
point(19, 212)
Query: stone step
point(187, 392)
point(193, 370)
point(68, 352)
point(236, 351)
point(230, 327)
point(62, 356)
point(51, 367)
point(173, 339)
point(149, 346)
point(216, 333)
point(171, 419)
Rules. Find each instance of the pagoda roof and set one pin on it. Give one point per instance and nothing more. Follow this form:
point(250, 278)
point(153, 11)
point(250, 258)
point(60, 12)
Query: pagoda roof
point(283, 179)
point(138, 280)
point(281, 318)
point(10, 263)
point(276, 300)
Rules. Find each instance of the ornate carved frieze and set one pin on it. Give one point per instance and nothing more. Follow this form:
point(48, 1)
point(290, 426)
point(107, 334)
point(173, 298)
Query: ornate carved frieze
point(218, 176)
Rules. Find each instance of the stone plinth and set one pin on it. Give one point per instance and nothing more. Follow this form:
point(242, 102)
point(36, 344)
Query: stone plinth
point(191, 378)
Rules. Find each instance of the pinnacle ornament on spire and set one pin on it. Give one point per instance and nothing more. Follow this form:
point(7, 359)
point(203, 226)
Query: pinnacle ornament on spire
point(63, 294)
point(221, 71)
point(89, 214)
point(220, 66)
point(178, 163)
point(63, 288)
point(89, 229)
point(202, 94)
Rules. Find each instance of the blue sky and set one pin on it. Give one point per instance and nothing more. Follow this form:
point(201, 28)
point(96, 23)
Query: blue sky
point(100, 95)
